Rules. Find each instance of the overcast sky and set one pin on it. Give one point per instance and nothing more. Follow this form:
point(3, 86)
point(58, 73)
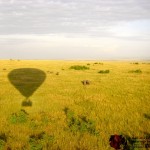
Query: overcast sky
point(75, 29)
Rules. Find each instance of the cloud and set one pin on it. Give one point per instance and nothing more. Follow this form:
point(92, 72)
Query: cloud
point(69, 17)
point(62, 47)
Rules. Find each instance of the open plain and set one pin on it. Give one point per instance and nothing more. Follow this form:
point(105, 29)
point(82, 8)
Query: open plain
point(45, 105)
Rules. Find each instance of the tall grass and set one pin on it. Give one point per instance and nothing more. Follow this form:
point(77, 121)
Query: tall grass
point(117, 103)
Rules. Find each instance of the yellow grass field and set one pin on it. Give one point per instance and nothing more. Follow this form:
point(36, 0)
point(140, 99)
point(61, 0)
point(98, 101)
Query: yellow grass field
point(45, 106)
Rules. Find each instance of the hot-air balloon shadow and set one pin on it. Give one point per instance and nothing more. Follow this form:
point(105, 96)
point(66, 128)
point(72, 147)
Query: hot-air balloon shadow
point(26, 81)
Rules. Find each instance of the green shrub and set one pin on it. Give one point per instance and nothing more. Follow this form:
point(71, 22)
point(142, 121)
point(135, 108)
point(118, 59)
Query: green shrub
point(104, 71)
point(135, 71)
point(96, 63)
point(78, 67)
point(35, 141)
point(2, 143)
point(3, 140)
point(136, 63)
point(40, 141)
point(80, 123)
point(20, 117)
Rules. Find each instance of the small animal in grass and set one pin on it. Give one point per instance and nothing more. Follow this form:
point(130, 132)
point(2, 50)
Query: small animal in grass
point(118, 141)
point(85, 82)
point(57, 73)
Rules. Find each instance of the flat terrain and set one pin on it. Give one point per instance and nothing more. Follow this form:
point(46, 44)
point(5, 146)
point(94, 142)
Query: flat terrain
point(44, 105)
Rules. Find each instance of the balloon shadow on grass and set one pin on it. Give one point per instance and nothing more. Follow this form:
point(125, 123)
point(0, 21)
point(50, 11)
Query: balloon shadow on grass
point(26, 81)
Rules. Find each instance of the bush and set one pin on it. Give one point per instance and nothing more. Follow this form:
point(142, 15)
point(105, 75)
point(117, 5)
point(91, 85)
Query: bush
point(136, 63)
point(3, 140)
point(40, 141)
point(96, 63)
point(135, 71)
point(104, 71)
point(20, 117)
point(78, 67)
point(80, 123)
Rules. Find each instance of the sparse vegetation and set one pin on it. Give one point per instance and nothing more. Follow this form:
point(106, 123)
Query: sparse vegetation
point(51, 72)
point(80, 123)
point(57, 73)
point(40, 141)
point(19, 117)
point(136, 63)
point(3, 140)
point(78, 67)
point(104, 71)
point(135, 71)
point(96, 63)
point(114, 103)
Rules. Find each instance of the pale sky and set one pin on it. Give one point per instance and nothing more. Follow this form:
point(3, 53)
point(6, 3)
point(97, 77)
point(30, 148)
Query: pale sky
point(75, 29)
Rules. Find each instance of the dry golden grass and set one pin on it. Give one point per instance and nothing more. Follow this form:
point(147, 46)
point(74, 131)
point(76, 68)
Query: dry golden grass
point(116, 103)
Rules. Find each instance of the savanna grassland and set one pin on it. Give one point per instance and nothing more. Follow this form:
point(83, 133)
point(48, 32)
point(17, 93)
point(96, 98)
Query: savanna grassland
point(44, 105)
